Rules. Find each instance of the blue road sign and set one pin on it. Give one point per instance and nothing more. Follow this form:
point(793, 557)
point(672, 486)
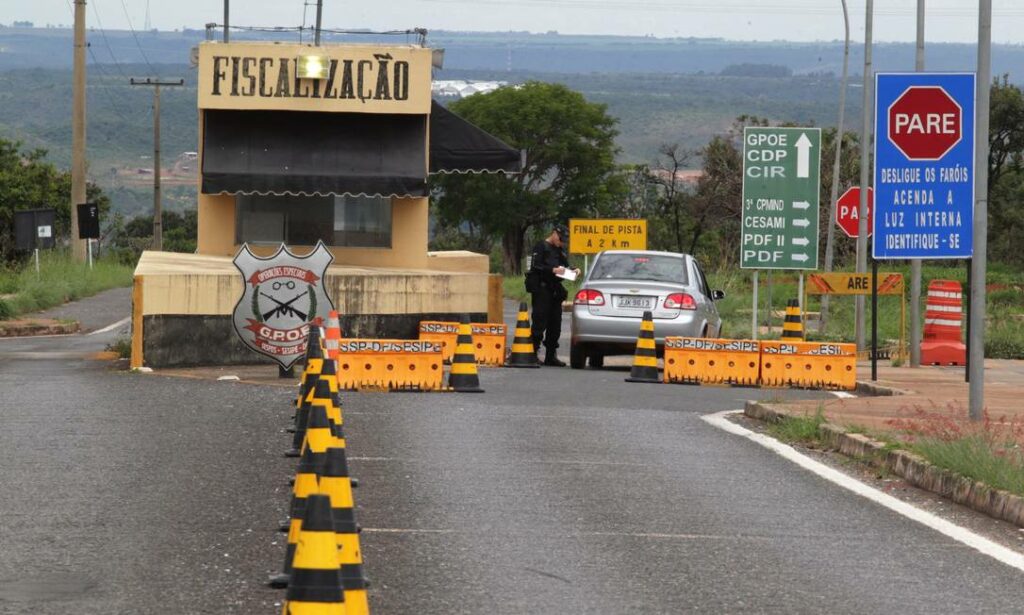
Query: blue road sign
point(924, 165)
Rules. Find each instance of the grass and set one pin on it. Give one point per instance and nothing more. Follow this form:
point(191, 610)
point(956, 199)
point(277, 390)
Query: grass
point(122, 346)
point(1004, 338)
point(60, 280)
point(514, 287)
point(998, 464)
point(800, 429)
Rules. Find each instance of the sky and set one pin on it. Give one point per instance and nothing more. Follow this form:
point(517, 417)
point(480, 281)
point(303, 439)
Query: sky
point(763, 20)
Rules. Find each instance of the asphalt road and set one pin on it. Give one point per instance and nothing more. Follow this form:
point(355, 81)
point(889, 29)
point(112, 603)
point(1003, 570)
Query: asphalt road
point(556, 491)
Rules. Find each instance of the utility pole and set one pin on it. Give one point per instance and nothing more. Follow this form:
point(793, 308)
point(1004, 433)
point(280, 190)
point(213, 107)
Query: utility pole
point(78, 131)
point(158, 226)
point(319, 18)
point(865, 171)
point(227, 19)
point(979, 262)
point(915, 264)
point(830, 236)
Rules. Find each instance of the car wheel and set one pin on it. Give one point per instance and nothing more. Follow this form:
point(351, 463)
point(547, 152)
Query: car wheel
point(597, 360)
point(577, 356)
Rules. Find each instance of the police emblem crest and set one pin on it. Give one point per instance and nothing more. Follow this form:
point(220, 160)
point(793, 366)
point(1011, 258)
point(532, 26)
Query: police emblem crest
point(282, 295)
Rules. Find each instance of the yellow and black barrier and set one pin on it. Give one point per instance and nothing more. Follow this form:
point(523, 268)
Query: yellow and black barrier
point(390, 365)
point(488, 340)
point(810, 365)
point(690, 360)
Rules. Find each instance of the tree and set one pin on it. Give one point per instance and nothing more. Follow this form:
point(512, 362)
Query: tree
point(28, 181)
point(569, 168)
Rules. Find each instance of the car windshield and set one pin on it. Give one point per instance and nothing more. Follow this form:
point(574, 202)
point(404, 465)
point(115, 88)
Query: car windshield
point(650, 267)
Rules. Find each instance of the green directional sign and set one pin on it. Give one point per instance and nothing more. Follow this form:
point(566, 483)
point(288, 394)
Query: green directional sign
point(781, 184)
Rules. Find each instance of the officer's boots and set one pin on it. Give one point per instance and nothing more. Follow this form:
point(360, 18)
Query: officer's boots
point(552, 360)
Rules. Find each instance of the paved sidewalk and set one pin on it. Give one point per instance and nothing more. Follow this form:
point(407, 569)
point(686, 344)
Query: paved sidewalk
point(934, 390)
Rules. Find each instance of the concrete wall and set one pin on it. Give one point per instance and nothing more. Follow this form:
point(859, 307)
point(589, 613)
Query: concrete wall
point(183, 306)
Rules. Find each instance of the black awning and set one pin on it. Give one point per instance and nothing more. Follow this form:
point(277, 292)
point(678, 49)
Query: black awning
point(312, 153)
point(456, 146)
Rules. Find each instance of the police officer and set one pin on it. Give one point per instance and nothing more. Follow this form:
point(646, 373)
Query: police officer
point(545, 286)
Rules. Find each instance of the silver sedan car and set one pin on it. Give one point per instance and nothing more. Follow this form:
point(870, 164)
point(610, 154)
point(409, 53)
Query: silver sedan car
point(623, 284)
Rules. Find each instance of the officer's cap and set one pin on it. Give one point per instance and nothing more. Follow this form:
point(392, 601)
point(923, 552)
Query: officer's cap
point(563, 231)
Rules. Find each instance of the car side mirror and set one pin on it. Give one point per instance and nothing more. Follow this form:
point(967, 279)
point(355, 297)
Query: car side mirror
point(717, 295)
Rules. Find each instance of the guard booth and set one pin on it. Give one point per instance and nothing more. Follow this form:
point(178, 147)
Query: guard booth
point(299, 144)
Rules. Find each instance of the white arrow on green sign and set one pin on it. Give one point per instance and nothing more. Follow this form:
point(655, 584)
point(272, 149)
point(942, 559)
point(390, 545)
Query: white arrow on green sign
point(781, 184)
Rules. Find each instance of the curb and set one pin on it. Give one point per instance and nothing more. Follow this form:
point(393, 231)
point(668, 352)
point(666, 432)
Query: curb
point(914, 469)
point(866, 387)
point(31, 329)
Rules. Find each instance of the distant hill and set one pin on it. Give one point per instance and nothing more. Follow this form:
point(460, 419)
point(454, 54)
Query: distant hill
point(662, 90)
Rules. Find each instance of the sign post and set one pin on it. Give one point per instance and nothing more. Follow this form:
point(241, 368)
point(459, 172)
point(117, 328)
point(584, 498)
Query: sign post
point(781, 186)
point(924, 166)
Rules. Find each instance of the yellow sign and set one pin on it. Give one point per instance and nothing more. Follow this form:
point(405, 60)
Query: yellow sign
point(593, 236)
point(853, 284)
point(356, 78)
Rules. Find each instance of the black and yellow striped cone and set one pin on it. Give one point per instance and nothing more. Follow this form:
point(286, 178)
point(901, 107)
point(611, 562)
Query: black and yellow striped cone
point(793, 327)
point(310, 375)
point(325, 393)
point(315, 584)
point(306, 484)
point(336, 484)
point(464, 377)
point(645, 361)
point(320, 435)
point(523, 353)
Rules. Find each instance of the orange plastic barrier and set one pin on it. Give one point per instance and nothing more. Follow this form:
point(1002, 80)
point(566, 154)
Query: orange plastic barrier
point(489, 343)
point(690, 360)
point(810, 365)
point(942, 321)
point(488, 340)
point(390, 364)
point(443, 333)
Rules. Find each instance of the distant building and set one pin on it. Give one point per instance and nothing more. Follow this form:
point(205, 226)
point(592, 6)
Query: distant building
point(461, 89)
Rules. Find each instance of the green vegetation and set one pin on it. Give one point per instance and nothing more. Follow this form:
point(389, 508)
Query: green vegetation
point(997, 463)
point(60, 280)
point(799, 429)
point(122, 346)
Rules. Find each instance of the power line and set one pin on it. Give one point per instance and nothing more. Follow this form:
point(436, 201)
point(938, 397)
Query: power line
point(106, 89)
point(103, 34)
point(136, 37)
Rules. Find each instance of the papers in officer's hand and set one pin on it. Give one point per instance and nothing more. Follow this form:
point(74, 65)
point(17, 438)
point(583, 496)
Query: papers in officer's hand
point(568, 274)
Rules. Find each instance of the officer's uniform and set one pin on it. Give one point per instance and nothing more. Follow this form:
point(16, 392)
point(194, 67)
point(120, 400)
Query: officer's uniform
point(547, 294)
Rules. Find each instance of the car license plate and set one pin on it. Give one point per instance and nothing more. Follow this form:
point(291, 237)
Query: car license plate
point(643, 303)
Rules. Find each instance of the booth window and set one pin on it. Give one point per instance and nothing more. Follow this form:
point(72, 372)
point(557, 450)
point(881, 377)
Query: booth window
point(342, 221)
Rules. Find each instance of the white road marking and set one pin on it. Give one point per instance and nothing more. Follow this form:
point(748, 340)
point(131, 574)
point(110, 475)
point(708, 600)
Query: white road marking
point(117, 324)
point(844, 395)
point(962, 535)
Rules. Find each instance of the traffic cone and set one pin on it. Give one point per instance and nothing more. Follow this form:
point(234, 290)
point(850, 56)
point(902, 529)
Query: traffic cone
point(314, 365)
point(315, 583)
point(336, 484)
point(325, 393)
point(645, 361)
point(319, 435)
point(332, 335)
point(793, 327)
point(306, 484)
point(463, 377)
point(523, 353)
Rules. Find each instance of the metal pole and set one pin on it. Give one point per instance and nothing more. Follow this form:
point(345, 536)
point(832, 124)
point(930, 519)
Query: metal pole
point(800, 292)
point(37, 263)
point(830, 236)
point(78, 179)
point(753, 318)
point(967, 315)
point(88, 246)
point(319, 16)
point(874, 320)
point(227, 19)
point(915, 264)
point(865, 163)
point(979, 263)
point(158, 224)
point(768, 313)
point(158, 234)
